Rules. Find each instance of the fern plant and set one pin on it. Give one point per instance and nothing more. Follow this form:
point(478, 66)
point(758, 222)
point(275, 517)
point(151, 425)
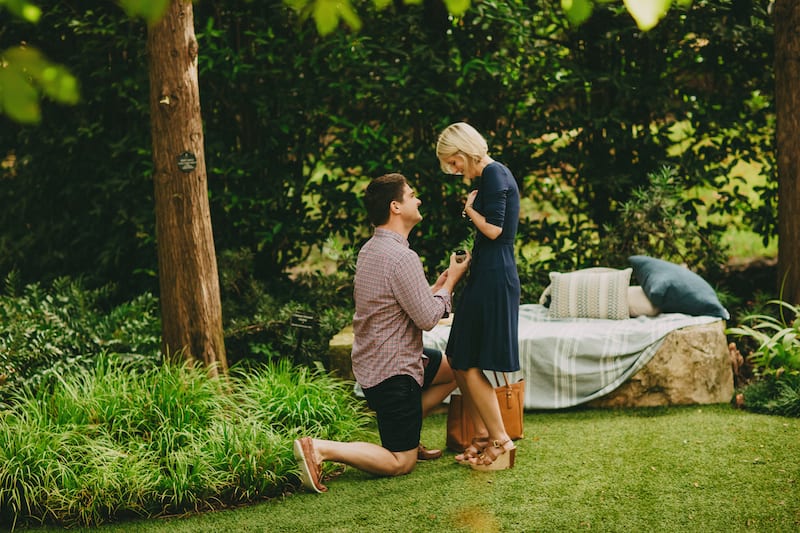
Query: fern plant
point(777, 338)
point(50, 331)
point(775, 358)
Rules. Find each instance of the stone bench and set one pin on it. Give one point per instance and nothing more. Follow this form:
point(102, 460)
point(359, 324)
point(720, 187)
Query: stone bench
point(339, 349)
point(692, 366)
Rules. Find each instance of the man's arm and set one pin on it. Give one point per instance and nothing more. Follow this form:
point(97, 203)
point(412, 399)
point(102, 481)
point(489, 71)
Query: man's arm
point(425, 305)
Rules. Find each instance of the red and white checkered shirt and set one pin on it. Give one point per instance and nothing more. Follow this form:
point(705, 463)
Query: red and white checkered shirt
point(394, 303)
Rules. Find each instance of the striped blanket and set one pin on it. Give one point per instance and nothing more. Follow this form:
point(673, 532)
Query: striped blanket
point(567, 362)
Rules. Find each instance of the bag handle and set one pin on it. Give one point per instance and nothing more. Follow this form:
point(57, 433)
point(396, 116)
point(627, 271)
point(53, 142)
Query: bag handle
point(505, 378)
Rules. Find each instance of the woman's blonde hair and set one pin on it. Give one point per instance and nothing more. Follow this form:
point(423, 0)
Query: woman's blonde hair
point(460, 138)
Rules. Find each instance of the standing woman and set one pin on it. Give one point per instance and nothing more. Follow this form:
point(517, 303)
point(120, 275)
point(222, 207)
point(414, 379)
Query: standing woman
point(485, 324)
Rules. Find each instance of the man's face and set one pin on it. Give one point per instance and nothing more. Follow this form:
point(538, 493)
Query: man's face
point(409, 207)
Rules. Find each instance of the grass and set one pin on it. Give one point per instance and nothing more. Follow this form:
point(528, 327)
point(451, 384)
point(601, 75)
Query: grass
point(704, 469)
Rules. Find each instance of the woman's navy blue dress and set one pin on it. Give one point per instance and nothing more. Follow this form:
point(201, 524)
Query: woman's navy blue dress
point(485, 327)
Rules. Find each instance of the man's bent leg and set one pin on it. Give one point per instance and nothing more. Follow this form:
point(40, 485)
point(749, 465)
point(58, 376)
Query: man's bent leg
point(367, 457)
point(439, 381)
point(397, 402)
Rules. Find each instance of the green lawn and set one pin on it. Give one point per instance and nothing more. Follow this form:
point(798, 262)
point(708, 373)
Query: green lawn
point(705, 469)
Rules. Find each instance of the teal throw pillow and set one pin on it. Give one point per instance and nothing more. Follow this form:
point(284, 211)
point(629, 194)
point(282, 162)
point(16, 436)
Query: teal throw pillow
point(675, 289)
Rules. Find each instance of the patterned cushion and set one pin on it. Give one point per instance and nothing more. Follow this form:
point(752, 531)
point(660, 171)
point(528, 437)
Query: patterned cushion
point(584, 294)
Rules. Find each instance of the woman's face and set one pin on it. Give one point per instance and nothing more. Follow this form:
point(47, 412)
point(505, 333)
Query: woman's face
point(457, 163)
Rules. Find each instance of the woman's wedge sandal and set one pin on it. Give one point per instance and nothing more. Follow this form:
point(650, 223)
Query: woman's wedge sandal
point(495, 457)
point(473, 450)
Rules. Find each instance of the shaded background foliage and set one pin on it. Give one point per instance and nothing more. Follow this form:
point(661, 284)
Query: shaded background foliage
point(295, 123)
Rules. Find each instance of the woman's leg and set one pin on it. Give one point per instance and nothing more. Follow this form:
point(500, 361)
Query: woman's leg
point(500, 453)
point(469, 406)
point(484, 400)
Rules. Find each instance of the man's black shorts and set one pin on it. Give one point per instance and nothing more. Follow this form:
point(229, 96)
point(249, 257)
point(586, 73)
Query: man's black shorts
point(397, 402)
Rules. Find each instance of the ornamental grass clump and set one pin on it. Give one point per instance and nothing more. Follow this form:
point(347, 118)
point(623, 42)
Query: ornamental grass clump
point(110, 442)
point(294, 398)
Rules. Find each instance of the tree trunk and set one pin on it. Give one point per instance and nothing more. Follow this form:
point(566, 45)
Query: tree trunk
point(191, 311)
point(787, 108)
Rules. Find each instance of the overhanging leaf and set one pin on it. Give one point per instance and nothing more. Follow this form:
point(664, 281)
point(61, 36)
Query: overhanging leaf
point(150, 10)
point(18, 99)
point(60, 85)
point(457, 7)
point(53, 79)
point(647, 13)
point(25, 74)
point(24, 10)
point(577, 11)
point(327, 14)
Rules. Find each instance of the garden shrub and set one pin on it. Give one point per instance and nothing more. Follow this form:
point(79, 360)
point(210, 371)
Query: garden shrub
point(108, 442)
point(657, 220)
point(660, 222)
point(258, 314)
point(771, 341)
point(51, 331)
point(580, 115)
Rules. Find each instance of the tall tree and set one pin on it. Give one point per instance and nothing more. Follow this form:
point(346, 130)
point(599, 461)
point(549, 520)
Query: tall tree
point(787, 108)
point(191, 311)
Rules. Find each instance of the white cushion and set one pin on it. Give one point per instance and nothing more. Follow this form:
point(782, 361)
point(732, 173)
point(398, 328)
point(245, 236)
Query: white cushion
point(639, 304)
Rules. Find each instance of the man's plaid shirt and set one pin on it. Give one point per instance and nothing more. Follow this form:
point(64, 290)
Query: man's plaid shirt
point(394, 303)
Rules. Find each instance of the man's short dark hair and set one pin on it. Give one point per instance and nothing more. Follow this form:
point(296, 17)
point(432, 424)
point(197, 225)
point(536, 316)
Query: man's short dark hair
point(381, 192)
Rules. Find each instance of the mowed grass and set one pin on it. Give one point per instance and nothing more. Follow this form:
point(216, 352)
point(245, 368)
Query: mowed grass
point(696, 468)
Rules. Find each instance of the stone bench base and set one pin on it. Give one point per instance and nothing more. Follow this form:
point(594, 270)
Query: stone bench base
point(339, 354)
point(692, 366)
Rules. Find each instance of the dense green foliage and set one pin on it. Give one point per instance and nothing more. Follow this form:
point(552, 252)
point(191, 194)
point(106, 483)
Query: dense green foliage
point(54, 330)
point(295, 123)
point(771, 339)
point(259, 315)
point(108, 442)
point(47, 332)
point(657, 220)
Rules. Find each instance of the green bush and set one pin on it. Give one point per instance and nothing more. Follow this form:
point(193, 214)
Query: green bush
point(777, 395)
point(777, 337)
point(656, 220)
point(46, 332)
point(55, 330)
point(107, 443)
point(773, 341)
point(258, 314)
